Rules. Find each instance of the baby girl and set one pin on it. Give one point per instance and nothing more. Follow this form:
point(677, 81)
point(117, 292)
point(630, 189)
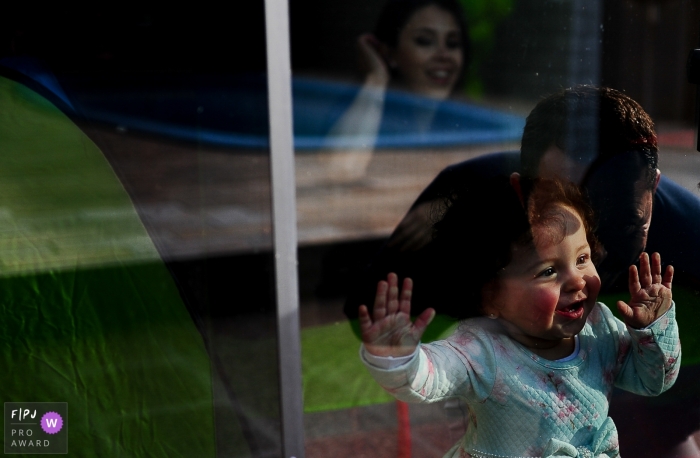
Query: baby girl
point(538, 357)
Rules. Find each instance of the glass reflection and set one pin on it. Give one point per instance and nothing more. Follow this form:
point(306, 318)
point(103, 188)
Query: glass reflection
point(346, 215)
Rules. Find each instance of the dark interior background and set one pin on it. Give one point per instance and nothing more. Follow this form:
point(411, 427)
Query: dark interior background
point(645, 45)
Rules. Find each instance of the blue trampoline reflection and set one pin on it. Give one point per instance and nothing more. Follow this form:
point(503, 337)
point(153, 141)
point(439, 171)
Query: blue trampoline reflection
point(233, 113)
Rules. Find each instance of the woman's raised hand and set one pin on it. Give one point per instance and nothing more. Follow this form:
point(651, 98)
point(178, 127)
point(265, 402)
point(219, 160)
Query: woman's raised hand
point(371, 62)
point(650, 292)
point(389, 331)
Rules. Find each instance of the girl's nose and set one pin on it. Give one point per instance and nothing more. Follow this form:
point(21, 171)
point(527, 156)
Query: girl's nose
point(575, 282)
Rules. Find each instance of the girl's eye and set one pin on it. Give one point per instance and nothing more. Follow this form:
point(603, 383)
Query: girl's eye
point(548, 272)
point(582, 259)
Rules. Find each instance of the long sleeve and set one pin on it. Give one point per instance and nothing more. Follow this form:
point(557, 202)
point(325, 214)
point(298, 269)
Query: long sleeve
point(649, 359)
point(463, 366)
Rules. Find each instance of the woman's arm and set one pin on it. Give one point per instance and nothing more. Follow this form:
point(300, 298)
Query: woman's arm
point(357, 128)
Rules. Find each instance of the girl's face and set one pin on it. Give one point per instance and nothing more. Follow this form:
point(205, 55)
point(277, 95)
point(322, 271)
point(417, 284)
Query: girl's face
point(428, 55)
point(547, 291)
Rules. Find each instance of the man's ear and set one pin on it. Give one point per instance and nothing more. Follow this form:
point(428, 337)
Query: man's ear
point(515, 184)
point(657, 179)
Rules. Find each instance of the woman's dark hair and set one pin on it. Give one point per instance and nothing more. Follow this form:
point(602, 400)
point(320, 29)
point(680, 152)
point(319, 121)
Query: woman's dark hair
point(396, 14)
point(475, 236)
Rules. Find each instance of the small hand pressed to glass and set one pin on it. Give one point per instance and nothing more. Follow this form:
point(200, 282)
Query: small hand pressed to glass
point(650, 292)
point(390, 331)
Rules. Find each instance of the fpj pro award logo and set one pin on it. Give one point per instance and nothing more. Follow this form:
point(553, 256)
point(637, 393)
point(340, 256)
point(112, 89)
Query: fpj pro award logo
point(36, 427)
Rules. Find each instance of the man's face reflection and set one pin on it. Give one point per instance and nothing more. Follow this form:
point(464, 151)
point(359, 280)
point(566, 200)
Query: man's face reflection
point(621, 194)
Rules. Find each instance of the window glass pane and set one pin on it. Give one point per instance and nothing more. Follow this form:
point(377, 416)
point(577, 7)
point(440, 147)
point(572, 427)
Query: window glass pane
point(137, 273)
point(387, 95)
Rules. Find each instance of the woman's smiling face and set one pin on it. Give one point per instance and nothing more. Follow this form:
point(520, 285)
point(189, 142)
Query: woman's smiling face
point(428, 55)
point(544, 296)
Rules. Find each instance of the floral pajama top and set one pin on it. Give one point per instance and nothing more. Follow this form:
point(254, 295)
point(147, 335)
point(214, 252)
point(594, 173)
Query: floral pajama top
point(521, 405)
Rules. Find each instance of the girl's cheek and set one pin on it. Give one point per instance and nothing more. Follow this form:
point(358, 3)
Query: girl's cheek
point(543, 305)
point(593, 284)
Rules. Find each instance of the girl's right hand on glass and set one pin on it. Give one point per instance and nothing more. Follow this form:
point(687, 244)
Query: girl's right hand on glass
point(389, 331)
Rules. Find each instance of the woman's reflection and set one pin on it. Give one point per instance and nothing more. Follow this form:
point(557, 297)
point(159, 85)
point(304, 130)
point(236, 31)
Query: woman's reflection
point(419, 46)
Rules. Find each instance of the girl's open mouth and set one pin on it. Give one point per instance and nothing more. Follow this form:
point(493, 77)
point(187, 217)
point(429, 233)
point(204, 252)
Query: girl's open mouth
point(572, 312)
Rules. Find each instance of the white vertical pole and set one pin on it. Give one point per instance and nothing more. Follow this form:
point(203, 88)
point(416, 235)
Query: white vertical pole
point(284, 224)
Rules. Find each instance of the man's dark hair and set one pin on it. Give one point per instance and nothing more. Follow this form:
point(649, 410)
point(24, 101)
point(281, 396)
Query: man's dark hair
point(590, 125)
point(396, 14)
